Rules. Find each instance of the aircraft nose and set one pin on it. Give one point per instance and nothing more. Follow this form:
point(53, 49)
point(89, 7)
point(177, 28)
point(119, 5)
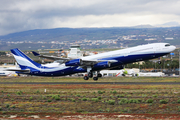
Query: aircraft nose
point(173, 47)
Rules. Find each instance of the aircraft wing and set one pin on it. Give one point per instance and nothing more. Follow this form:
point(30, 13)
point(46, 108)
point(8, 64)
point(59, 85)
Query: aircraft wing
point(84, 62)
point(50, 57)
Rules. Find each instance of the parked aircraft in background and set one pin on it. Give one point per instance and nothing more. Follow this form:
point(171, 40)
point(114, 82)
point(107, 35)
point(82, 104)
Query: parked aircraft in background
point(5, 72)
point(90, 64)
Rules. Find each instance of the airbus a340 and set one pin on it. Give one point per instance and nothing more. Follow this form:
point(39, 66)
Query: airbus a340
point(90, 64)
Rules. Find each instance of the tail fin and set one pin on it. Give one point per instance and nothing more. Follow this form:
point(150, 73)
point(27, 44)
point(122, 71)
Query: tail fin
point(24, 61)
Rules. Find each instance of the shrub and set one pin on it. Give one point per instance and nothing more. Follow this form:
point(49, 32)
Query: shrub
point(139, 100)
point(173, 102)
point(100, 92)
point(80, 110)
point(124, 110)
point(19, 92)
point(30, 98)
point(108, 110)
point(155, 96)
point(99, 97)
point(129, 95)
point(122, 101)
point(44, 97)
point(95, 99)
point(114, 92)
point(73, 100)
point(144, 95)
point(149, 101)
point(49, 100)
point(120, 95)
point(78, 95)
point(37, 91)
point(56, 97)
point(179, 108)
point(8, 95)
point(178, 101)
point(49, 96)
point(84, 99)
point(111, 102)
point(7, 105)
point(13, 106)
point(163, 101)
point(134, 101)
point(0, 108)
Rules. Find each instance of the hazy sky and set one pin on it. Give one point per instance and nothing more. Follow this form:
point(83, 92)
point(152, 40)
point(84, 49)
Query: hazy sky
point(21, 15)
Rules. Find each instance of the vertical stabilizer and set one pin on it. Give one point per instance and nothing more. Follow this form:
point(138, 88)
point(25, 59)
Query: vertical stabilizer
point(24, 61)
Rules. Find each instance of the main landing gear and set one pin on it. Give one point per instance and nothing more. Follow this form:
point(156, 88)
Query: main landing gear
point(95, 76)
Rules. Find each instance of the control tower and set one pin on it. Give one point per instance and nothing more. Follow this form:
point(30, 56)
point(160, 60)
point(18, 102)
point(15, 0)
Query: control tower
point(75, 52)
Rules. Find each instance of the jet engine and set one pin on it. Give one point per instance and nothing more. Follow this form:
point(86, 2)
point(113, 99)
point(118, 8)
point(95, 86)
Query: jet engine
point(102, 65)
point(75, 62)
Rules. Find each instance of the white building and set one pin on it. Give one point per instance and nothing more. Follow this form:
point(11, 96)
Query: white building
point(75, 52)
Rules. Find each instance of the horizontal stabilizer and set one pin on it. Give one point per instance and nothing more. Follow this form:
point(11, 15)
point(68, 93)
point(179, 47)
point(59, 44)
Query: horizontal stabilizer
point(18, 70)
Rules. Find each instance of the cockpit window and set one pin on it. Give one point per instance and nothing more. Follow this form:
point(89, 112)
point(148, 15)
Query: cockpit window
point(167, 45)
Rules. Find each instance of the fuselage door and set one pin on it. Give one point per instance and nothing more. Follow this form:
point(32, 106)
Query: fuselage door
point(156, 49)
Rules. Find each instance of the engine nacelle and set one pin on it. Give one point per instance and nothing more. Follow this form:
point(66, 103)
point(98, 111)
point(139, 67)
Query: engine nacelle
point(75, 62)
point(105, 64)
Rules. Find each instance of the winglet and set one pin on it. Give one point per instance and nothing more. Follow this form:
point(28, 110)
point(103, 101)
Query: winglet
point(35, 53)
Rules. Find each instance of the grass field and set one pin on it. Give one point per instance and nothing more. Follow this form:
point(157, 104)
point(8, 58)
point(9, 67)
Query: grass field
point(99, 101)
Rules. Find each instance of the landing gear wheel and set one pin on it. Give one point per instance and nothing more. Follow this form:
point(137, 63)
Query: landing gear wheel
point(90, 74)
point(95, 78)
point(86, 77)
point(99, 75)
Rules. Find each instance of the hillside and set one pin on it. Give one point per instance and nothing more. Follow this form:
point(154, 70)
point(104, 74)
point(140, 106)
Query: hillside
point(63, 37)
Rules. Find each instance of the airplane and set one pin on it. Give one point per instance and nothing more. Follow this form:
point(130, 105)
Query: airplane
point(90, 64)
point(5, 72)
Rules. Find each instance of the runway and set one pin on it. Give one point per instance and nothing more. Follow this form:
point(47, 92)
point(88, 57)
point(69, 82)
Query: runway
point(111, 83)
